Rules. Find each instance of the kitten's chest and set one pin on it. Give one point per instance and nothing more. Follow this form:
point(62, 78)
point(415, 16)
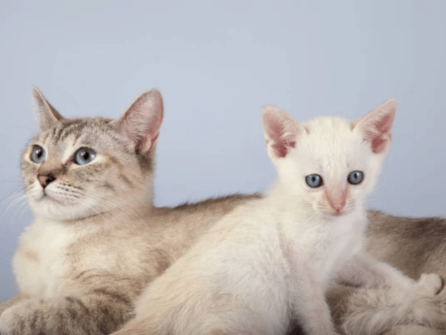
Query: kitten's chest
point(329, 247)
point(42, 260)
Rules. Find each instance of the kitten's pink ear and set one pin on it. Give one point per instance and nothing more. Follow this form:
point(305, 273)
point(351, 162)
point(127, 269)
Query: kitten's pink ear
point(141, 123)
point(280, 131)
point(377, 126)
point(47, 115)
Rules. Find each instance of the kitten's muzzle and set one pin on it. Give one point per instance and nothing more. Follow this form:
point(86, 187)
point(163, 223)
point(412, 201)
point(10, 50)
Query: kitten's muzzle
point(337, 200)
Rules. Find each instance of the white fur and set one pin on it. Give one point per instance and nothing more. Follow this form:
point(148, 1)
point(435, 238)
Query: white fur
point(272, 259)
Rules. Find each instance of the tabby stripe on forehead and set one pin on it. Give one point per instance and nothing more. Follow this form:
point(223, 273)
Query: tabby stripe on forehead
point(73, 127)
point(45, 137)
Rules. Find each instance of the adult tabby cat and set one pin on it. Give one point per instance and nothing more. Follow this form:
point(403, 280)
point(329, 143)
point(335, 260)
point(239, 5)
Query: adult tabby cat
point(96, 241)
point(84, 272)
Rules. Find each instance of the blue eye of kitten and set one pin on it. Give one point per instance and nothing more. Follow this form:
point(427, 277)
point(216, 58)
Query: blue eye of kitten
point(313, 180)
point(355, 177)
point(38, 154)
point(84, 156)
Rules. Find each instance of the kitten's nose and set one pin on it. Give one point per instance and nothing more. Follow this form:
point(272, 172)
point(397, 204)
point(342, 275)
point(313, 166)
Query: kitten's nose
point(45, 180)
point(338, 209)
point(337, 200)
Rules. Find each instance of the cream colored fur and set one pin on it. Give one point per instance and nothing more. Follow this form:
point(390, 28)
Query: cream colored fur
point(96, 240)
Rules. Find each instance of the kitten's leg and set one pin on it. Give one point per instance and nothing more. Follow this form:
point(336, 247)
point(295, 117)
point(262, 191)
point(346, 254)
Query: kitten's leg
point(308, 301)
point(13, 301)
point(366, 271)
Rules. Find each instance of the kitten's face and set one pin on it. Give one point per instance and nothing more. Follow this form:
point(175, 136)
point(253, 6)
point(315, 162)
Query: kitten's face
point(331, 163)
point(79, 168)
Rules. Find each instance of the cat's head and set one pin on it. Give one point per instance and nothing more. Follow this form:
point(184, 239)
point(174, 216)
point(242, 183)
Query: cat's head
point(329, 162)
point(78, 168)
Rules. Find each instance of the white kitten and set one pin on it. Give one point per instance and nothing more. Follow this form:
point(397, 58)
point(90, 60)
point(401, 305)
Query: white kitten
point(272, 259)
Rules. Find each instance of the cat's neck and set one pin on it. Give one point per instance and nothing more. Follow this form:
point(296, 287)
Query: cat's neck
point(120, 216)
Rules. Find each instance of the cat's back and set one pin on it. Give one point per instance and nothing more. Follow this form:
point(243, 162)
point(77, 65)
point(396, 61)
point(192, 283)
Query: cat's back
point(178, 228)
point(414, 245)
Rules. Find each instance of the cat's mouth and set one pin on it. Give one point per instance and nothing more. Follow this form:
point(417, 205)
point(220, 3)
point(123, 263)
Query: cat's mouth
point(45, 197)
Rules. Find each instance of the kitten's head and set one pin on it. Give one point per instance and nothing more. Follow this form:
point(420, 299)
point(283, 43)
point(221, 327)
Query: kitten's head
point(77, 168)
point(330, 162)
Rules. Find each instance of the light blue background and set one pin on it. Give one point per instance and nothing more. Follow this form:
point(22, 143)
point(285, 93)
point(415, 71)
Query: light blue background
point(216, 63)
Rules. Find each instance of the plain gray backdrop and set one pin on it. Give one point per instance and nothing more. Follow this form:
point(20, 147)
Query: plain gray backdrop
point(216, 63)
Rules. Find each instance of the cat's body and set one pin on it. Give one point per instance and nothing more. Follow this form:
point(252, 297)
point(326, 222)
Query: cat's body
point(96, 240)
point(83, 275)
point(103, 264)
point(272, 259)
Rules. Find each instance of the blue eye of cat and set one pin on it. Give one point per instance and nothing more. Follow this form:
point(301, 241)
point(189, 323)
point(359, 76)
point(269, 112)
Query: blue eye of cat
point(38, 154)
point(313, 180)
point(355, 177)
point(84, 156)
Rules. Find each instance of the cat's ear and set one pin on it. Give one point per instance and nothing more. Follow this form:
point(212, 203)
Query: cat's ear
point(376, 126)
point(280, 130)
point(47, 115)
point(141, 123)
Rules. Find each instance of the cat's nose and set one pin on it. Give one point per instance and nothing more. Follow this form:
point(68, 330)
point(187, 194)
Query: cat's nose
point(46, 179)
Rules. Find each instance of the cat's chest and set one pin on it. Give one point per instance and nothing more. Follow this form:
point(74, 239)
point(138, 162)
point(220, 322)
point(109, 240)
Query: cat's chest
point(44, 258)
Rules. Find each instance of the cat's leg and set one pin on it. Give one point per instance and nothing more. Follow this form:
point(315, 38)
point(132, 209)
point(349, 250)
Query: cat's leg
point(413, 330)
point(375, 311)
point(101, 310)
point(13, 301)
point(90, 315)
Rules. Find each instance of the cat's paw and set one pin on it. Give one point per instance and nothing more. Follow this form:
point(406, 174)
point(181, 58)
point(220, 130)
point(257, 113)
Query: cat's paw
point(11, 320)
point(429, 284)
point(8, 320)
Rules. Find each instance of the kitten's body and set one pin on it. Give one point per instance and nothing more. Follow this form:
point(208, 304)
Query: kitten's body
point(272, 259)
point(258, 242)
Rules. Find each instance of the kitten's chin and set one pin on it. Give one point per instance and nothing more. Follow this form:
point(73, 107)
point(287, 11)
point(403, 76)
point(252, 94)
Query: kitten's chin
point(330, 213)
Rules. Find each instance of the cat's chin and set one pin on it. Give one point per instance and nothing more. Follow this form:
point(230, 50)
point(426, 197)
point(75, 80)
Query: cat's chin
point(54, 209)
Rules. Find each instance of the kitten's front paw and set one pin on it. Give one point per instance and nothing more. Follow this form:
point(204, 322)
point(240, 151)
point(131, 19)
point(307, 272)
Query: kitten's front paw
point(429, 284)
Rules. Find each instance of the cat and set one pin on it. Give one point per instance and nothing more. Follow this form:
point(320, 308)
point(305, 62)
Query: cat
point(272, 259)
point(97, 240)
point(101, 300)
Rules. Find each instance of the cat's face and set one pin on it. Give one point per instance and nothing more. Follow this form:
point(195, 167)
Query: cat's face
point(331, 163)
point(78, 168)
